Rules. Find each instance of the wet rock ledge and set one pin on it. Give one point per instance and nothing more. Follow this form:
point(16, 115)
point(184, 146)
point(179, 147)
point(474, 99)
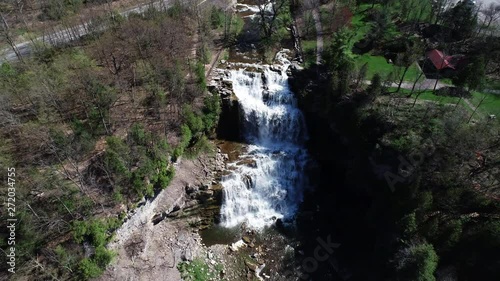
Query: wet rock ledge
point(229, 120)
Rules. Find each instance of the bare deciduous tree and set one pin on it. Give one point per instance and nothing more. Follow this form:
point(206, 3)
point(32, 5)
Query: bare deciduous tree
point(269, 12)
point(491, 14)
point(7, 35)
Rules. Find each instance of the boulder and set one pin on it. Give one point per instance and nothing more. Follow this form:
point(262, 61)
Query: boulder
point(296, 67)
point(204, 186)
point(251, 266)
point(212, 88)
point(249, 162)
point(191, 203)
point(246, 239)
point(227, 83)
point(204, 195)
point(236, 245)
point(174, 214)
point(275, 68)
point(157, 218)
point(191, 189)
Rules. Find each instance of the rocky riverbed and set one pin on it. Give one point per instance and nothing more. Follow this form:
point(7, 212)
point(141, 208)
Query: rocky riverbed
point(164, 232)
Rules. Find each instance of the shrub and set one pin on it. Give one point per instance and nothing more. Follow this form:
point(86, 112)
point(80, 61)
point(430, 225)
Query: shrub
point(175, 11)
point(204, 55)
point(451, 233)
point(193, 121)
point(84, 141)
point(149, 190)
point(186, 136)
point(138, 134)
point(95, 231)
point(418, 262)
point(116, 156)
point(200, 76)
point(216, 17)
point(197, 270)
point(202, 145)
point(79, 231)
point(176, 154)
point(138, 184)
point(160, 149)
point(117, 195)
point(409, 225)
point(103, 256)
point(115, 163)
point(165, 176)
point(211, 111)
point(63, 257)
point(89, 269)
point(56, 9)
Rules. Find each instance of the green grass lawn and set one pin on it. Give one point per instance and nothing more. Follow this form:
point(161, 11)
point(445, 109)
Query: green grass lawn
point(446, 81)
point(428, 95)
point(378, 64)
point(490, 83)
point(491, 104)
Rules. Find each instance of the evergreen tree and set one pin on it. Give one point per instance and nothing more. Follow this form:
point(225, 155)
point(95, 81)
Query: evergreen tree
point(417, 263)
point(462, 19)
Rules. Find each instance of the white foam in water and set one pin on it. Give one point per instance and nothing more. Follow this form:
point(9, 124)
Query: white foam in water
point(244, 8)
point(274, 126)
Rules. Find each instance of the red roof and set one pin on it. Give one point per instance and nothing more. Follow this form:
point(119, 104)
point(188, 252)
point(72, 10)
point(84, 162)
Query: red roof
point(439, 60)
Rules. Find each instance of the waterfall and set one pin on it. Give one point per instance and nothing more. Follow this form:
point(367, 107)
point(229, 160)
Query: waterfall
point(271, 185)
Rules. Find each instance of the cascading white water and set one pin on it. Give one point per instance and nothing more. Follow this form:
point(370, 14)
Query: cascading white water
point(271, 187)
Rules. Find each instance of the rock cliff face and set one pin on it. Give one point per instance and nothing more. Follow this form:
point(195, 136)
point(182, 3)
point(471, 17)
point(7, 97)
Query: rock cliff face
point(229, 121)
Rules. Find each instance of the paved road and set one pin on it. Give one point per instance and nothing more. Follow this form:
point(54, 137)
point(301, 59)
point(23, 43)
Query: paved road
point(69, 34)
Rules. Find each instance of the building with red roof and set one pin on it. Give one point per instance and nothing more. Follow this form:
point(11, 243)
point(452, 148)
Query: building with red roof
point(440, 60)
